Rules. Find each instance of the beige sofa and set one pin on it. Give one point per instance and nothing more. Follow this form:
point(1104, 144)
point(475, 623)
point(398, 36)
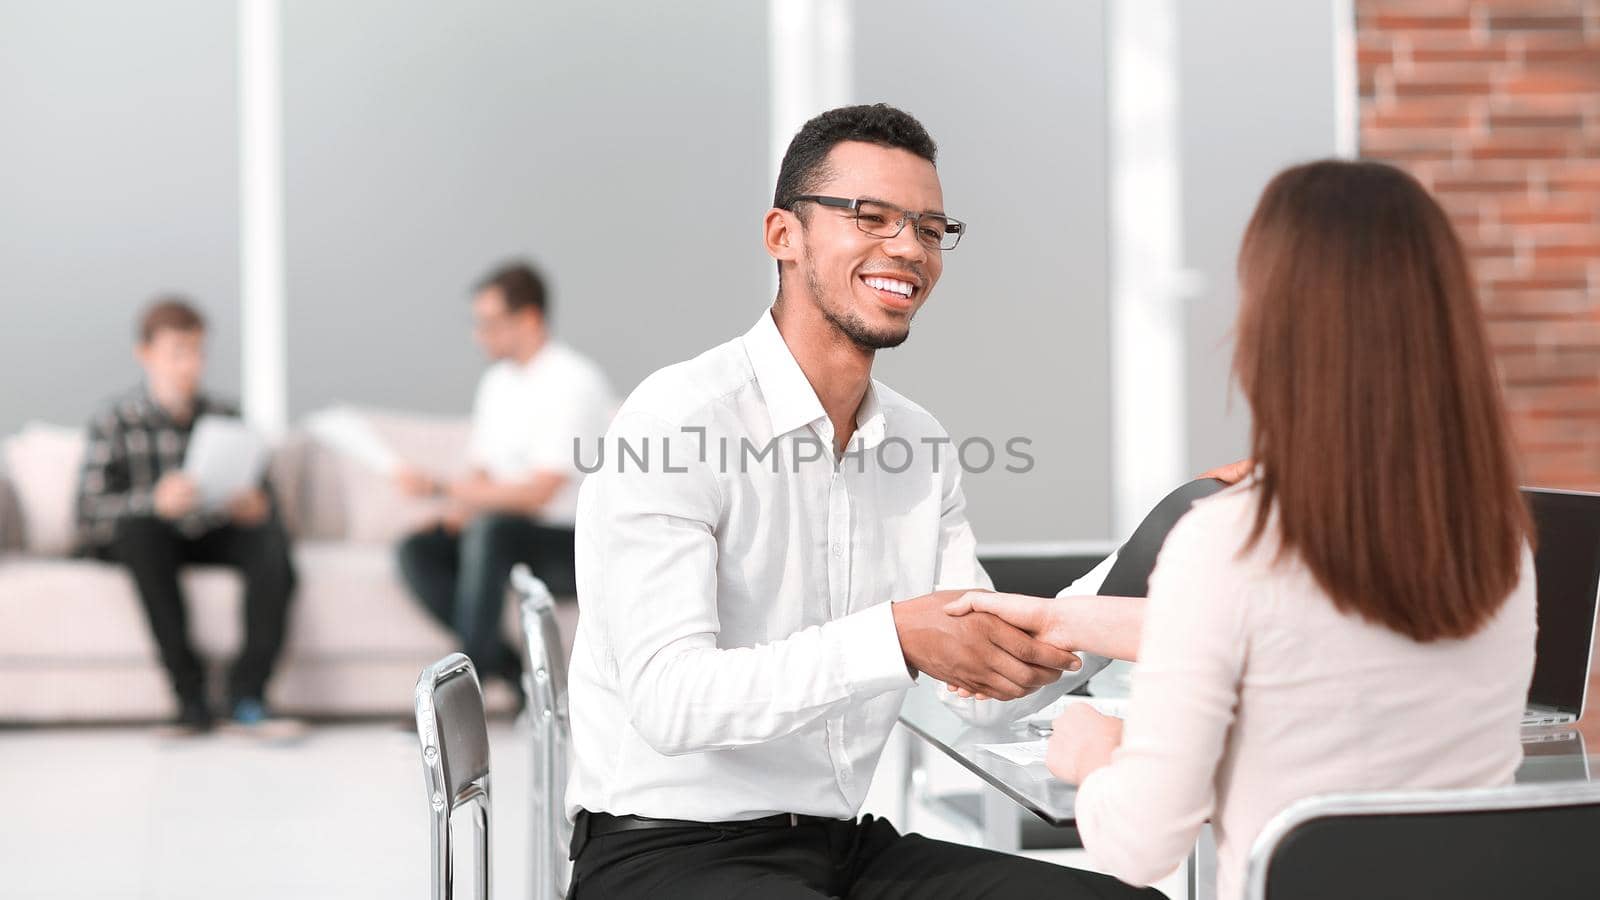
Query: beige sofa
point(74, 646)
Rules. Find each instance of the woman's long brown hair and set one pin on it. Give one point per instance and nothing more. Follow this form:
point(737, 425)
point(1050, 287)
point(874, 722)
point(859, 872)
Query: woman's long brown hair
point(1379, 428)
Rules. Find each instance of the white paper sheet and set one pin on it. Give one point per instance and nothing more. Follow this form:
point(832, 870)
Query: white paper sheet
point(348, 432)
point(1106, 706)
point(224, 459)
point(1025, 753)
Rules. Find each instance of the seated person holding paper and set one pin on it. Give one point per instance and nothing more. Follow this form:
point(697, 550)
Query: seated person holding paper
point(1359, 614)
point(136, 506)
point(538, 400)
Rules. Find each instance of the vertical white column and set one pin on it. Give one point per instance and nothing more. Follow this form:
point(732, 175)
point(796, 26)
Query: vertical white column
point(1346, 81)
point(810, 69)
point(261, 266)
point(1149, 428)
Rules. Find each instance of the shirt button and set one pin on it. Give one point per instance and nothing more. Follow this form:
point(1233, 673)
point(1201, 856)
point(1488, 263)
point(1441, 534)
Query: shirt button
point(838, 551)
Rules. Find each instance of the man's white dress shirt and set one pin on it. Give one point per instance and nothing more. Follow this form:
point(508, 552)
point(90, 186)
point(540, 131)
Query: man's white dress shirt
point(525, 418)
point(736, 656)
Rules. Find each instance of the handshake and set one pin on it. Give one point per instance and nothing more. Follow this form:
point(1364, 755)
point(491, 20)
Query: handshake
point(986, 644)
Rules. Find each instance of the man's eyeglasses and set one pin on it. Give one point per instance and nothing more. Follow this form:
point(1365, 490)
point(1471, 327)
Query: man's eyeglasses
point(885, 220)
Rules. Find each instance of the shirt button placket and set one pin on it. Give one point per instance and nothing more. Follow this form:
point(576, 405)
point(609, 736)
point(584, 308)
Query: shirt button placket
point(839, 596)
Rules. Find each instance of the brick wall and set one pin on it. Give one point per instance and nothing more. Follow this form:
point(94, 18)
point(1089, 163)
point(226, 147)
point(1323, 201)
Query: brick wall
point(1495, 106)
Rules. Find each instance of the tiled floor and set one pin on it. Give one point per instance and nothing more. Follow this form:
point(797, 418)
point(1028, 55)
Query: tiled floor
point(125, 813)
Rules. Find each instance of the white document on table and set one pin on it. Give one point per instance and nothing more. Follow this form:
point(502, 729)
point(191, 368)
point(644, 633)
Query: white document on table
point(225, 458)
point(348, 432)
point(1025, 753)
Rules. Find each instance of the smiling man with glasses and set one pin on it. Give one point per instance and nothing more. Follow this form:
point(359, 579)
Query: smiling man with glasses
point(748, 629)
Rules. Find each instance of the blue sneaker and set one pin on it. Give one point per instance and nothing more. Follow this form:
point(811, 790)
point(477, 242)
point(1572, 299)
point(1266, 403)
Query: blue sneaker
point(249, 712)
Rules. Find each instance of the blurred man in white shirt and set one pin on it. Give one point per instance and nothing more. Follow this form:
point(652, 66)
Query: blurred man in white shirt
point(538, 398)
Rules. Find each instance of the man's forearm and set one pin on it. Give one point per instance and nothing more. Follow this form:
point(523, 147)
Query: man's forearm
point(524, 497)
point(1106, 626)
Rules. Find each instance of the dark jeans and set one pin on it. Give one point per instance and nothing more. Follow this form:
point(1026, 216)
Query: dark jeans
point(865, 859)
point(153, 551)
point(461, 579)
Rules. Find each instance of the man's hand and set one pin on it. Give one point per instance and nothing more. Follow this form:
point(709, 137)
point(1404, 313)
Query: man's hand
point(1232, 473)
point(976, 652)
point(1082, 740)
point(455, 518)
point(472, 491)
point(1042, 618)
point(175, 496)
point(249, 508)
point(414, 482)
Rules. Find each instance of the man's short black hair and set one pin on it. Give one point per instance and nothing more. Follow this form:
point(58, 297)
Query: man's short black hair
point(519, 283)
point(805, 163)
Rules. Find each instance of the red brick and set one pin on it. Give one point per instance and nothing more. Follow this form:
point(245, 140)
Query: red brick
point(1374, 56)
point(1461, 87)
point(1434, 7)
point(1551, 234)
point(1499, 147)
point(1533, 22)
point(1421, 112)
point(1557, 433)
point(1560, 122)
point(1573, 52)
point(1397, 145)
point(1480, 185)
point(1574, 176)
point(1533, 104)
point(1520, 305)
point(1519, 211)
point(1461, 51)
point(1546, 252)
point(1541, 283)
point(1545, 399)
point(1554, 79)
point(1538, 335)
point(1403, 21)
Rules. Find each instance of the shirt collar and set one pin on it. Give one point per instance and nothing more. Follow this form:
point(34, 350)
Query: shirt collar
point(791, 401)
point(153, 411)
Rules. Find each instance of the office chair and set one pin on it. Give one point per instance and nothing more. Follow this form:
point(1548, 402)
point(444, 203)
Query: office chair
point(455, 762)
point(544, 680)
point(1529, 841)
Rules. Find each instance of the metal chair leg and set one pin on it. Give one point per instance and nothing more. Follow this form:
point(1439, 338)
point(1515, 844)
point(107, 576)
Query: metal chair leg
point(443, 866)
point(480, 821)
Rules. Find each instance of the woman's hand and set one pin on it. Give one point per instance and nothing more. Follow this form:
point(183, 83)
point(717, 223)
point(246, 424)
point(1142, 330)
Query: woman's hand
point(1082, 741)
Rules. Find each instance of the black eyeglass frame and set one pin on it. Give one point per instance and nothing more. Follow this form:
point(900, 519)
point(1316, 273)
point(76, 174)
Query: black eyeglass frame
point(952, 226)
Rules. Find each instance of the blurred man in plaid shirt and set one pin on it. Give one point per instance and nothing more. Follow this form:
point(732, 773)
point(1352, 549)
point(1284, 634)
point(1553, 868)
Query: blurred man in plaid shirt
point(136, 507)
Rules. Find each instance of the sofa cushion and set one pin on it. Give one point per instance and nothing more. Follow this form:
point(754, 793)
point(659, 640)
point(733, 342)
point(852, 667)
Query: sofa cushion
point(43, 462)
point(78, 609)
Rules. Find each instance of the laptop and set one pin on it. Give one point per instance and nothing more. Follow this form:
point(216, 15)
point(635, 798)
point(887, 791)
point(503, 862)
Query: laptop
point(1567, 566)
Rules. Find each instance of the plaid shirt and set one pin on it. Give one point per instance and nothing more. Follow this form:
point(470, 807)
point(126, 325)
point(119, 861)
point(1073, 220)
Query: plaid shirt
point(132, 443)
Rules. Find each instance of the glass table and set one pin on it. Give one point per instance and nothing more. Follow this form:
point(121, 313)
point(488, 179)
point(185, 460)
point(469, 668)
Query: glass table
point(1549, 755)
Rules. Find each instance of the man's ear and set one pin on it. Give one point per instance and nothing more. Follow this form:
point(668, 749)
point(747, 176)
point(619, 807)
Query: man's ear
point(782, 232)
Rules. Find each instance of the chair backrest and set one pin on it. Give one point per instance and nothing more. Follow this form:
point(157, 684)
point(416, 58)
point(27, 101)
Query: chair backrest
point(1529, 841)
point(454, 737)
point(1136, 559)
point(545, 682)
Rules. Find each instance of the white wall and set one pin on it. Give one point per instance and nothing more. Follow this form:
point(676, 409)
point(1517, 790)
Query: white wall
point(118, 175)
point(626, 148)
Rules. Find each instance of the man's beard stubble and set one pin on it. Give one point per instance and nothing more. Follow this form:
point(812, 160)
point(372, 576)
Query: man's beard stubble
point(848, 322)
